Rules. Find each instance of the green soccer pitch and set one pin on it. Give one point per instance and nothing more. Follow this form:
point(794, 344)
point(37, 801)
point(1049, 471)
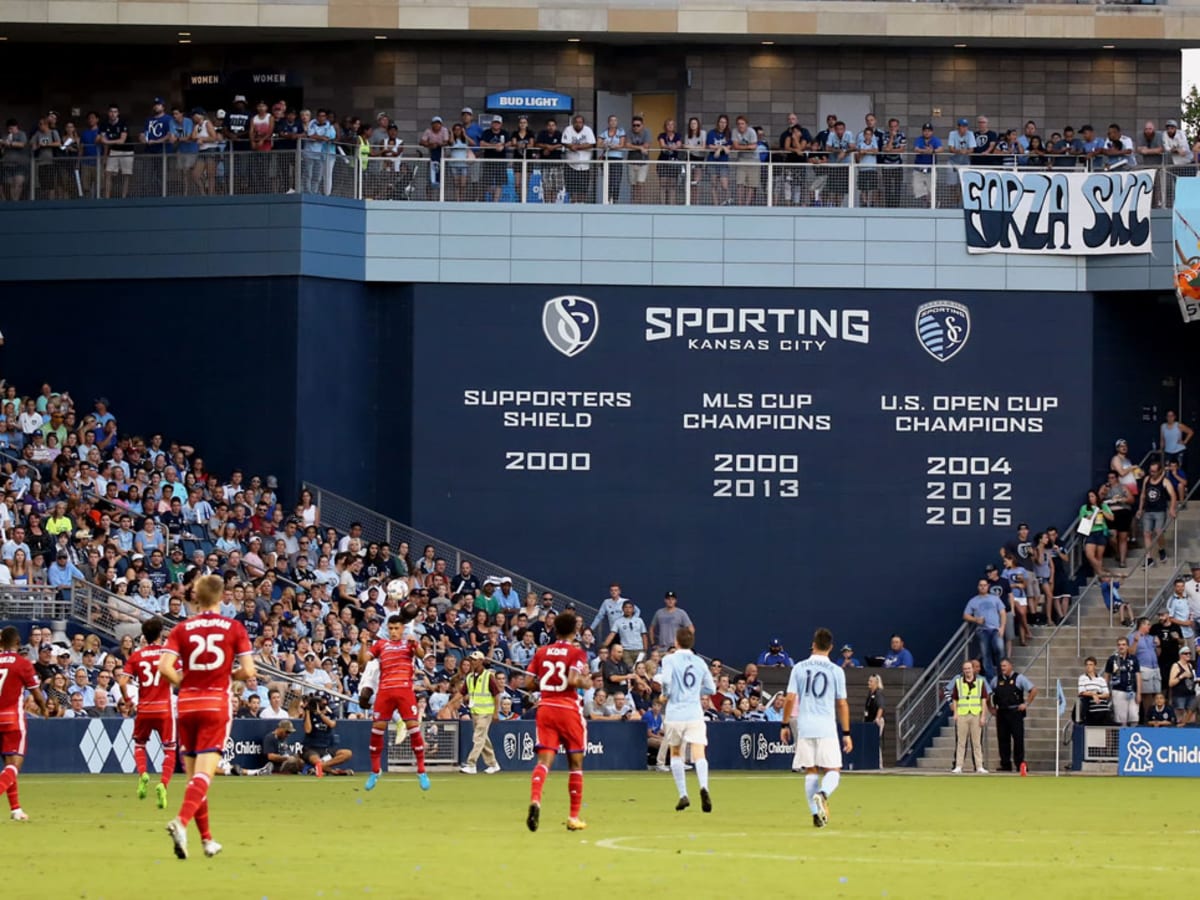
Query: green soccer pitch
point(889, 836)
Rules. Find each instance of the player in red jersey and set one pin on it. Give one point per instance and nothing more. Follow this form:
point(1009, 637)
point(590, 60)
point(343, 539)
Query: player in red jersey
point(16, 674)
point(155, 709)
point(208, 645)
point(561, 670)
point(396, 654)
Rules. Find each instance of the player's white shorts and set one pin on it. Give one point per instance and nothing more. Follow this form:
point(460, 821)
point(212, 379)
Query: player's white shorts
point(676, 734)
point(370, 676)
point(822, 753)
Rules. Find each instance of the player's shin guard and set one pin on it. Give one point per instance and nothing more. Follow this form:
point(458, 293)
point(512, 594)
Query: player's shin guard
point(139, 756)
point(537, 783)
point(170, 754)
point(575, 788)
point(197, 791)
point(677, 772)
point(376, 747)
point(830, 782)
point(202, 820)
point(811, 786)
point(418, 747)
point(702, 772)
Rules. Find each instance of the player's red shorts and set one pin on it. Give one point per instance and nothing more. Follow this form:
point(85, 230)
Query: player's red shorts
point(164, 724)
point(203, 732)
point(401, 701)
point(12, 743)
point(559, 727)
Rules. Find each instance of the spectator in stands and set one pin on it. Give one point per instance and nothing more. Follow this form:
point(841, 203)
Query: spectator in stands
point(617, 673)
point(849, 660)
point(926, 146)
point(898, 657)
point(775, 655)
point(1119, 500)
point(667, 622)
point(1095, 706)
point(1157, 503)
point(1143, 646)
point(1159, 714)
point(1182, 686)
point(1099, 514)
point(1124, 677)
point(987, 613)
point(629, 632)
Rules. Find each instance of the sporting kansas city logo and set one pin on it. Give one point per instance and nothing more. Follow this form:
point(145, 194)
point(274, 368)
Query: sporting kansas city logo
point(523, 745)
point(570, 324)
point(943, 328)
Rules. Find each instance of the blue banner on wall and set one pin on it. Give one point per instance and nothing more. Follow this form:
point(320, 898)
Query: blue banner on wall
point(1160, 752)
point(96, 746)
point(529, 100)
point(610, 745)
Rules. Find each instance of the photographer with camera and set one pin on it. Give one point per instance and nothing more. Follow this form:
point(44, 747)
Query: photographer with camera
point(320, 742)
point(276, 750)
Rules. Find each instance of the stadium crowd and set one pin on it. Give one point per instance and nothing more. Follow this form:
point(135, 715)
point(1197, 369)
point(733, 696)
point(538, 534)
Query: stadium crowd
point(105, 154)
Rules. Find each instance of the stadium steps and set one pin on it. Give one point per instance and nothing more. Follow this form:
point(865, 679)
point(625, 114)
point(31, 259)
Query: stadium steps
point(1096, 637)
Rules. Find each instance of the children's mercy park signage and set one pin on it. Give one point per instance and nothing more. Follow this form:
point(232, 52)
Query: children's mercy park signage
point(1062, 213)
point(528, 101)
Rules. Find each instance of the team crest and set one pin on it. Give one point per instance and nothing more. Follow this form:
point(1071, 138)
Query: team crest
point(943, 328)
point(570, 324)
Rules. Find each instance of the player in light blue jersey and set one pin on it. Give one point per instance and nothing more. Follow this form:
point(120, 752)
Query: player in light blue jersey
point(685, 679)
point(816, 700)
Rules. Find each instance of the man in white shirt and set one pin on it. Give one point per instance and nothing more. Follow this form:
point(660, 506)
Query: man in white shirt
point(1118, 149)
point(579, 141)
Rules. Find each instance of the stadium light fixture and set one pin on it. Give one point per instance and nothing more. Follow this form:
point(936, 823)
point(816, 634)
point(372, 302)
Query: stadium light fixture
point(959, 46)
point(381, 37)
point(185, 40)
point(1108, 46)
point(574, 40)
point(768, 43)
point(185, 34)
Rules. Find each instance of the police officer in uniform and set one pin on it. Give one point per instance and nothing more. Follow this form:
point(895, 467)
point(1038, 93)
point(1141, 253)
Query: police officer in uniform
point(1011, 695)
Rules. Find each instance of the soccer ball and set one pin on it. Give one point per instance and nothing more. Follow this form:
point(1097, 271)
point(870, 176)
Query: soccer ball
point(397, 589)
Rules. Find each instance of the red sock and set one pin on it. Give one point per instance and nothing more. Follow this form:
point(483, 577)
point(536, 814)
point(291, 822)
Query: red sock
point(168, 767)
point(540, 772)
point(8, 778)
point(575, 787)
point(14, 799)
point(376, 745)
point(418, 746)
point(202, 820)
point(197, 790)
point(139, 757)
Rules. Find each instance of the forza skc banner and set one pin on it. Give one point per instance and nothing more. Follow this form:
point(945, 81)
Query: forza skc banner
point(1061, 213)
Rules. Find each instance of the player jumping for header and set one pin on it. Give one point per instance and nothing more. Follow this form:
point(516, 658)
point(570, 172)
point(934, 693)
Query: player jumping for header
point(685, 679)
point(155, 709)
point(818, 687)
point(396, 654)
point(561, 670)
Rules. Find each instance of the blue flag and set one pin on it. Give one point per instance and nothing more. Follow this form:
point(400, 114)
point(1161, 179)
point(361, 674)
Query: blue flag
point(1062, 699)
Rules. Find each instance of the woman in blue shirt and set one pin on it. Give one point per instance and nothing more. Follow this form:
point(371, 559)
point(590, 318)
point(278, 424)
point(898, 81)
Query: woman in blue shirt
point(717, 141)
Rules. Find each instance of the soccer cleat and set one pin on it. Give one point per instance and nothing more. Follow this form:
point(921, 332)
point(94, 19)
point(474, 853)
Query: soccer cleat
point(318, 769)
point(822, 802)
point(19, 815)
point(143, 784)
point(423, 781)
point(372, 780)
point(957, 770)
point(178, 834)
point(576, 824)
point(705, 800)
point(683, 803)
point(817, 823)
point(491, 770)
point(1024, 771)
point(467, 770)
point(160, 795)
point(534, 817)
point(981, 771)
point(211, 848)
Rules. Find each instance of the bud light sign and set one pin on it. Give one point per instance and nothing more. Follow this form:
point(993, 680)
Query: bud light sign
point(529, 101)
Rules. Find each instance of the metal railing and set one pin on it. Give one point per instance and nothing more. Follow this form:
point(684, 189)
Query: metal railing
point(105, 612)
point(847, 179)
point(923, 701)
point(32, 602)
point(338, 512)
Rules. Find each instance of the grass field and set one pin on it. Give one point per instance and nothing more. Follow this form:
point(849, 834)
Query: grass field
point(889, 836)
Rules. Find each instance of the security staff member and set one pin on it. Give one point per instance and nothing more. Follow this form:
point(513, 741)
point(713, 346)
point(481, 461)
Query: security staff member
point(481, 689)
point(1012, 693)
point(967, 708)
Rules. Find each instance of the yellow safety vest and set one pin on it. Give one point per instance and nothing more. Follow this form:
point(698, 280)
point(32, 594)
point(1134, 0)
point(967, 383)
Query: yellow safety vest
point(364, 152)
point(970, 696)
point(479, 692)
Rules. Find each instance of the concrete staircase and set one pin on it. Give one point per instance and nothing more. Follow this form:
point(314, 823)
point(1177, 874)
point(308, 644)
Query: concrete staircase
point(1044, 660)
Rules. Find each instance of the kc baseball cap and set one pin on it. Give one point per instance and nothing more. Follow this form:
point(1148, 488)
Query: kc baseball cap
point(927, 127)
point(476, 655)
point(963, 122)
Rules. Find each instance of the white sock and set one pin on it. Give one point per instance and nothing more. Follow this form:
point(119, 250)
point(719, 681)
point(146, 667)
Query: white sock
point(677, 774)
point(702, 772)
point(810, 790)
point(830, 782)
